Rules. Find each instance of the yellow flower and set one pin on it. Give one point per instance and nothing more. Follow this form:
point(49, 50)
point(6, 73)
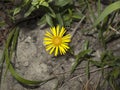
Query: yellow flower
point(56, 41)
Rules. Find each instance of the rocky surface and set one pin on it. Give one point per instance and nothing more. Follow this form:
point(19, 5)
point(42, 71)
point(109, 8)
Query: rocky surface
point(34, 63)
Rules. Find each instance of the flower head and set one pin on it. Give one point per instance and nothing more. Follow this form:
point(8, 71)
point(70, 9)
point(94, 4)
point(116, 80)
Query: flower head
point(56, 41)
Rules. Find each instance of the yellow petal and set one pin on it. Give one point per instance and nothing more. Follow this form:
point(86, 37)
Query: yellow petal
point(48, 34)
point(53, 31)
point(47, 42)
point(62, 51)
point(56, 51)
point(57, 30)
point(47, 39)
point(64, 46)
point(62, 32)
point(66, 38)
point(48, 47)
point(51, 51)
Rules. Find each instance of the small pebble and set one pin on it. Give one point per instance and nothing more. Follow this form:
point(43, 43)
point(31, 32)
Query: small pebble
point(28, 39)
point(26, 63)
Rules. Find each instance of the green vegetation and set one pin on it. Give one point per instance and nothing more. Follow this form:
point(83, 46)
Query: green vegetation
point(65, 13)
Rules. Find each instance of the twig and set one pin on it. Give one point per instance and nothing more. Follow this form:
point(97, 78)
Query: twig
point(98, 82)
point(86, 86)
point(77, 26)
point(67, 72)
point(114, 30)
point(90, 72)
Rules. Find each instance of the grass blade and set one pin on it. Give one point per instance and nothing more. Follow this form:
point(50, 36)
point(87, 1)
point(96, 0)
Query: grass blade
point(9, 49)
point(18, 77)
point(80, 57)
point(1, 66)
point(109, 9)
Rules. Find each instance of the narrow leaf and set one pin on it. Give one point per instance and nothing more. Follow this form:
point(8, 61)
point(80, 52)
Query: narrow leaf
point(60, 20)
point(32, 8)
point(109, 9)
point(49, 20)
point(16, 11)
point(63, 2)
point(79, 59)
point(18, 77)
point(12, 38)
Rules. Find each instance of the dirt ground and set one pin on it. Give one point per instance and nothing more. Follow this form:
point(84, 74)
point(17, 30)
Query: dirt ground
point(34, 63)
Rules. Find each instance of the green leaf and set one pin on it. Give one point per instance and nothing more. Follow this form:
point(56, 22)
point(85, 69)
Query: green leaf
point(26, 2)
point(2, 23)
point(10, 43)
point(16, 11)
point(44, 4)
point(32, 8)
point(2, 61)
point(116, 72)
point(83, 53)
point(14, 41)
point(12, 38)
point(77, 15)
point(99, 7)
point(62, 2)
point(67, 17)
point(109, 9)
point(60, 20)
point(42, 21)
point(91, 13)
point(79, 58)
point(52, 13)
point(37, 3)
point(96, 63)
point(49, 20)
point(18, 77)
point(86, 45)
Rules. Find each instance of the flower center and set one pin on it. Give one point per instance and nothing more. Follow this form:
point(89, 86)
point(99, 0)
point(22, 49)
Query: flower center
point(57, 40)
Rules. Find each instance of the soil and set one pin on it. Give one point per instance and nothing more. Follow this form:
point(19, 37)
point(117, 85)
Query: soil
point(34, 63)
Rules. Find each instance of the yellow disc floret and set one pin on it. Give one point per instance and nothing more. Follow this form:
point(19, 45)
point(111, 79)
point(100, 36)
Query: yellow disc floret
point(57, 40)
